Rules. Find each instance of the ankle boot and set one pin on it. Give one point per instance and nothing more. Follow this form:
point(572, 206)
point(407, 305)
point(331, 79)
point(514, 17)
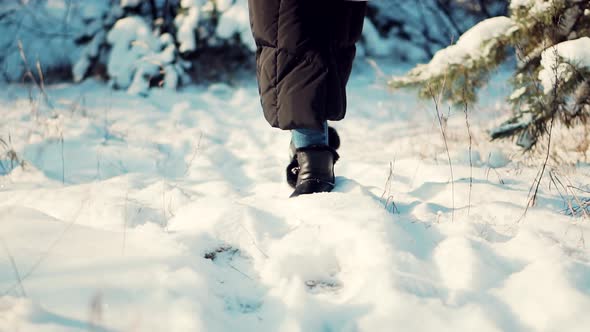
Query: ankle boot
point(293, 168)
point(316, 170)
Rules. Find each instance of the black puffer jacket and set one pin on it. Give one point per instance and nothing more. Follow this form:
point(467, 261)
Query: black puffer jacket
point(304, 58)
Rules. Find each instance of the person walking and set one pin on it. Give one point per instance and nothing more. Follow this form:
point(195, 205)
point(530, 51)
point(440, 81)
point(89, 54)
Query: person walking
point(304, 57)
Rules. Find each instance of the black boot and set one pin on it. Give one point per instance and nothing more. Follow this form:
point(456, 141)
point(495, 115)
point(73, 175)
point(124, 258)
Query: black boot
point(293, 167)
point(316, 170)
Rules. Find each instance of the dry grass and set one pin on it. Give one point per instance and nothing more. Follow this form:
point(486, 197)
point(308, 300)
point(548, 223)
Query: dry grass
point(9, 159)
point(387, 196)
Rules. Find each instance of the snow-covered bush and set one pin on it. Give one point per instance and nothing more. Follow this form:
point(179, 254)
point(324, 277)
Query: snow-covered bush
point(129, 40)
point(45, 30)
point(137, 57)
point(149, 43)
point(187, 22)
point(134, 44)
point(235, 21)
point(98, 17)
point(552, 79)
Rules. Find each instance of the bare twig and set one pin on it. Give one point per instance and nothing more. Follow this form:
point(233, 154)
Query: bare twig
point(253, 241)
point(500, 180)
point(466, 111)
point(164, 206)
point(577, 206)
point(9, 153)
point(378, 71)
point(387, 187)
point(444, 136)
point(558, 183)
point(532, 200)
point(50, 248)
point(387, 196)
point(29, 74)
point(96, 312)
point(63, 161)
point(14, 268)
point(42, 84)
point(582, 203)
point(125, 222)
point(240, 272)
point(534, 190)
point(197, 148)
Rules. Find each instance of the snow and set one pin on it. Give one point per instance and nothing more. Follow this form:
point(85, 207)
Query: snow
point(374, 44)
point(45, 31)
point(557, 61)
point(137, 55)
point(93, 9)
point(473, 45)
point(131, 39)
point(472, 42)
point(130, 3)
point(517, 93)
point(235, 21)
point(63, 35)
point(534, 7)
point(82, 65)
point(223, 5)
point(187, 25)
point(497, 159)
point(109, 228)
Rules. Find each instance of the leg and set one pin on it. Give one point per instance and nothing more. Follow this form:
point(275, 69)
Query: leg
point(291, 71)
point(304, 58)
point(307, 137)
point(314, 168)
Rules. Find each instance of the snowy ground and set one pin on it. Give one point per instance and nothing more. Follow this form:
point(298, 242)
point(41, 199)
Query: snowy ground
point(170, 213)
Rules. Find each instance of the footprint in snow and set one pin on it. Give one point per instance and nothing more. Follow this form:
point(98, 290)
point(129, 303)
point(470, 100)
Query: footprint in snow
point(322, 286)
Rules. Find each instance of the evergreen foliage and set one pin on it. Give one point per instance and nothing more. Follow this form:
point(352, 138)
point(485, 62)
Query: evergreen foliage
point(552, 78)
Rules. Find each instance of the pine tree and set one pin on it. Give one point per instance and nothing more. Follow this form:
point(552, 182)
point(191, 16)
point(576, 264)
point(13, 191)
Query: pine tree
point(415, 30)
point(551, 39)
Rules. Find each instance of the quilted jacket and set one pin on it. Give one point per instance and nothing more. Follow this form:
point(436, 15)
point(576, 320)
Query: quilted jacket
point(305, 50)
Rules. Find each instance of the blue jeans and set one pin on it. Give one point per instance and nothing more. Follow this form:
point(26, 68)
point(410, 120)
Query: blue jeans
point(306, 137)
